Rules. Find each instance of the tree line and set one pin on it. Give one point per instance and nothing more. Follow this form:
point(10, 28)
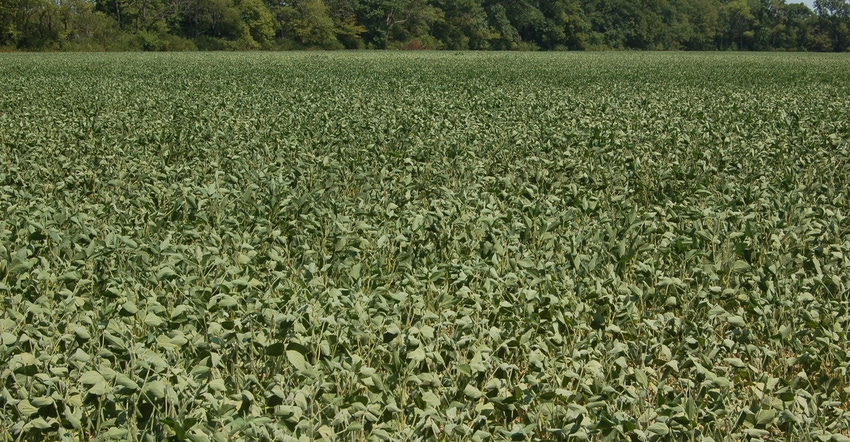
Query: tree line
point(424, 24)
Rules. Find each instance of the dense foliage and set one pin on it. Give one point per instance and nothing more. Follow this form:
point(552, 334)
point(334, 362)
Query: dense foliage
point(425, 24)
point(420, 245)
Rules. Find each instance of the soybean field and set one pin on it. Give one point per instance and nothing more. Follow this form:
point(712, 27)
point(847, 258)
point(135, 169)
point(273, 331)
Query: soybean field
point(425, 246)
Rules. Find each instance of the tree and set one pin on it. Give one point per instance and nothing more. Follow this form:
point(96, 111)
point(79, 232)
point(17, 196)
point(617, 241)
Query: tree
point(81, 23)
point(30, 24)
point(625, 23)
point(836, 8)
point(567, 25)
point(385, 19)
point(8, 27)
point(505, 36)
point(213, 18)
point(834, 20)
point(682, 23)
point(798, 27)
point(465, 25)
point(346, 27)
point(307, 22)
point(258, 19)
point(527, 19)
point(740, 20)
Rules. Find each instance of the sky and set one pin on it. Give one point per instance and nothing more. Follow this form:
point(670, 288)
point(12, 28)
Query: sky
point(810, 3)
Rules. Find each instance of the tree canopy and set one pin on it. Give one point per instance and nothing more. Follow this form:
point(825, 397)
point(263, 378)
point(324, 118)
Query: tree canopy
point(424, 24)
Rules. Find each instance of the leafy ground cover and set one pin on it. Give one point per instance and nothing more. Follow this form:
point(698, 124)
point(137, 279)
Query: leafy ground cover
point(424, 246)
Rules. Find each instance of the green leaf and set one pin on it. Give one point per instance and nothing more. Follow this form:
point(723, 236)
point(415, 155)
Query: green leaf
point(217, 385)
point(805, 297)
point(756, 432)
point(417, 355)
point(327, 433)
point(227, 301)
point(641, 377)
point(154, 389)
point(354, 271)
point(735, 362)
point(431, 399)
point(42, 401)
point(736, 321)
point(674, 365)
point(129, 309)
point(20, 264)
point(740, 266)
point(42, 424)
point(165, 273)
point(8, 339)
point(471, 392)
point(117, 433)
point(197, 436)
point(398, 296)
point(99, 389)
point(125, 381)
point(525, 263)
point(298, 361)
point(275, 349)
point(91, 378)
point(82, 333)
point(659, 428)
point(24, 363)
point(152, 320)
point(26, 408)
point(74, 417)
point(765, 417)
